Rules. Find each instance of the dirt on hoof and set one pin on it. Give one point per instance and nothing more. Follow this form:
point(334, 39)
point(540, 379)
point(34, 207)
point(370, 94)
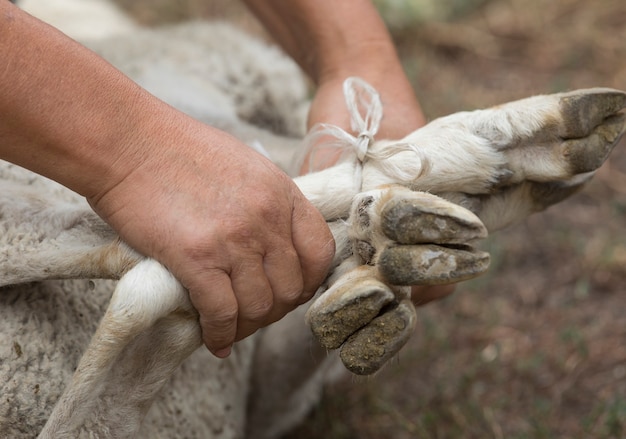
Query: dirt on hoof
point(431, 264)
point(332, 326)
point(369, 349)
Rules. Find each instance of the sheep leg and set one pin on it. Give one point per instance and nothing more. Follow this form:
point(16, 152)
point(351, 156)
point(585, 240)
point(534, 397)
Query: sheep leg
point(58, 241)
point(542, 139)
point(531, 153)
point(402, 238)
point(550, 144)
point(291, 370)
point(549, 163)
point(331, 190)
point(514, 203)
point(575, 135)
point(147, 293)
point(142, 369)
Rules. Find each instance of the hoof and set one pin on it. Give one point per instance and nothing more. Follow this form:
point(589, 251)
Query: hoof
point(583, 110)
point(431, 264)
point(347, 306)
point(427, 219)
point(369, 349)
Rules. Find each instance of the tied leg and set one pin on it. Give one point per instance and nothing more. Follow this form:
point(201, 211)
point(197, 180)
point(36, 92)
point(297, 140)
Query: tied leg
point(367, 309)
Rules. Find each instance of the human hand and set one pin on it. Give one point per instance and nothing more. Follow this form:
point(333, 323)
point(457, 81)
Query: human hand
point(230, 226)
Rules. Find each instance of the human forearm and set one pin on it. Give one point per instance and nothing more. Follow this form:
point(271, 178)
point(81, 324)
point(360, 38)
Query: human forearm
point(66, 113)
point(326, 37)
point(332, 40)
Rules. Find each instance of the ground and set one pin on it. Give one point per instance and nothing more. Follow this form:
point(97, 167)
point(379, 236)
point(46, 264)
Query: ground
point(537, 347)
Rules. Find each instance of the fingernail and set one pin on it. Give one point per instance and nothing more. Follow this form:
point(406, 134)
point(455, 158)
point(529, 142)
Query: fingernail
point(223, 353)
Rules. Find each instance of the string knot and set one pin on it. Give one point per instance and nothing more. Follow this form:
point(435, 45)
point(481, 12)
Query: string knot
point(363, 142)
point(365, 110)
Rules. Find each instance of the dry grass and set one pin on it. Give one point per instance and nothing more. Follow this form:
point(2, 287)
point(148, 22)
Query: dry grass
point(536, 348)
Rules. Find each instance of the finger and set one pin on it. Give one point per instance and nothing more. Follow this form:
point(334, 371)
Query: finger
point(253, 294)
point(218, 309)
point(313, 243)
point(284, 274)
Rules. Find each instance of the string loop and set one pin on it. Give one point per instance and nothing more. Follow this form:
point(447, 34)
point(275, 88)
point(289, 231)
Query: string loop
point(366, 112)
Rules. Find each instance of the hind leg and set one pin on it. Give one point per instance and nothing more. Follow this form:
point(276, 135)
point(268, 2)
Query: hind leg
point(147, 300)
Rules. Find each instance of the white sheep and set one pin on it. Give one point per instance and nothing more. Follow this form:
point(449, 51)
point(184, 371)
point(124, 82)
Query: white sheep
point(99, 358)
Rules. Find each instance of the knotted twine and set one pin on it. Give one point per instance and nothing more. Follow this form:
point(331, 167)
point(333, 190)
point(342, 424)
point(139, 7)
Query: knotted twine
point(366, 112)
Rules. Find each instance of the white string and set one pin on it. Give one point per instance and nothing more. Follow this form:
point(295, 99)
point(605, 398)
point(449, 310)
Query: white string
point(366, 112)
point(362, 98)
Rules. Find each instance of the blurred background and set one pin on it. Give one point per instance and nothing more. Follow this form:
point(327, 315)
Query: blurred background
point(537, 347)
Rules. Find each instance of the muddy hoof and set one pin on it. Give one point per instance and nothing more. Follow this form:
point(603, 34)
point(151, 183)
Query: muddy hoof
point(369, 349)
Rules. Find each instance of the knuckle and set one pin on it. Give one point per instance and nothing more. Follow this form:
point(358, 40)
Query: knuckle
point(304, 297)
point(258, 311)
point(315, 269)
point(289, 291)
point(293, 297)
point(222, 317)
point(325, 246)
